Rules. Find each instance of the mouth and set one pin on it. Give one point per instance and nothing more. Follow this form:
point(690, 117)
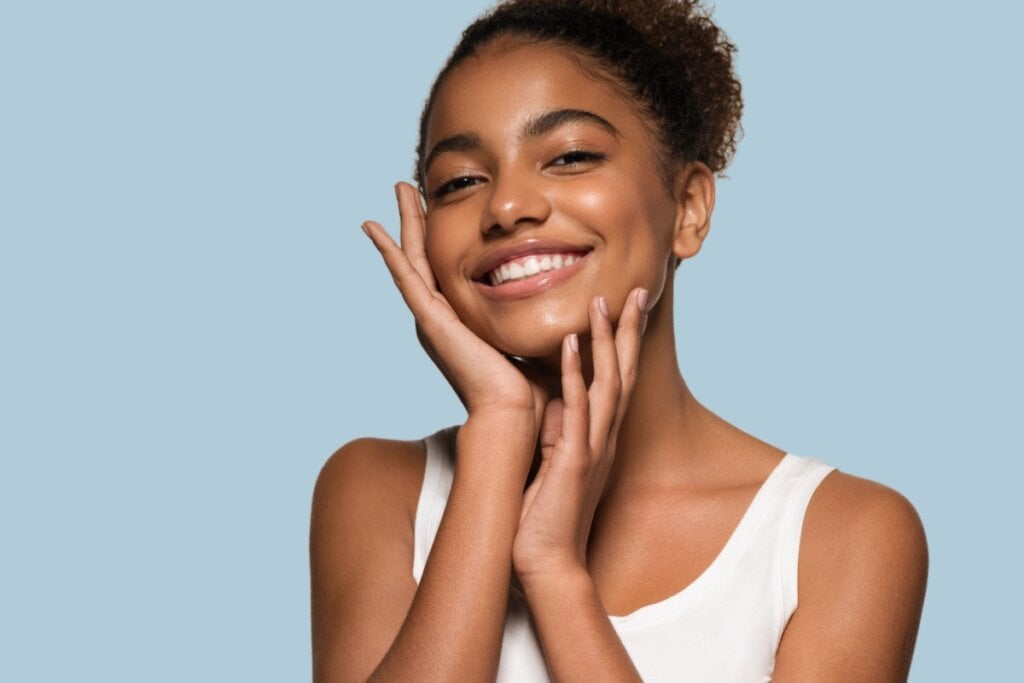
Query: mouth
point(530, 265)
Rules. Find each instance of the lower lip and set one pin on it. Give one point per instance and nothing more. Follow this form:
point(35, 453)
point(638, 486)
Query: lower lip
point(531, 286)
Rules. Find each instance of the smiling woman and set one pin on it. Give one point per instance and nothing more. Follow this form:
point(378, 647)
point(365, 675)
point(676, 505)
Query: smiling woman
point(590, 519)
point(569, 170)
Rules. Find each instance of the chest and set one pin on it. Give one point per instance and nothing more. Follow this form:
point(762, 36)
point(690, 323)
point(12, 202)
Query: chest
point(644, 550)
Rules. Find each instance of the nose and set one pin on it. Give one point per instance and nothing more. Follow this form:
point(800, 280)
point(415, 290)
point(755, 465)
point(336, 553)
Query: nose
point(517, 199)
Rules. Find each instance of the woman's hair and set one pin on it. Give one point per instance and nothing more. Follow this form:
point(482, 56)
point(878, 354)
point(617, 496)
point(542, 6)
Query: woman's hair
point(666, 54)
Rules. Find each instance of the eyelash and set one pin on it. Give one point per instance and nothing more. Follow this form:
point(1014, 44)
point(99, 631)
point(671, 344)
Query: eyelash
point(572, 158)
point(578, 156)
point(454, 185)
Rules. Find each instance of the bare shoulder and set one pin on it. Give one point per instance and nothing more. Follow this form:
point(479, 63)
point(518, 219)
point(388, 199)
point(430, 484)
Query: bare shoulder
point(862, 575)
point(365, 500)
point(369, 469)
point(361, 552)
point(856, 516)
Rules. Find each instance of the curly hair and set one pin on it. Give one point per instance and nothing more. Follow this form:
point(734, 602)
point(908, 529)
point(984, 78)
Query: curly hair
point(668, 55)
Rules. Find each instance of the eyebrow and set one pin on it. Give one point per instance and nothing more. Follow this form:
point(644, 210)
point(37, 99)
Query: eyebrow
point(534, 128)
point(464, 142)
point(545, 123)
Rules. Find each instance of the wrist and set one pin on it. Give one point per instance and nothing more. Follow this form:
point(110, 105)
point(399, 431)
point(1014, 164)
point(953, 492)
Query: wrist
point(505, 416)
point(503, 429)
point(498, 441)
point(566, 581)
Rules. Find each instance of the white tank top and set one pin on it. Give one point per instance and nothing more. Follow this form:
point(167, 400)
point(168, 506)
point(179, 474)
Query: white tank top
point(725, 626)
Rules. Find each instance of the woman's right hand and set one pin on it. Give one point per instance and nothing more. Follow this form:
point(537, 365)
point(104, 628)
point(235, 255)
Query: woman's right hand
point(372, 620)
point(485, 380)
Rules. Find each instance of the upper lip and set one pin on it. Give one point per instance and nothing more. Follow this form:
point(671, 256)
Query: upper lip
point(492, 259)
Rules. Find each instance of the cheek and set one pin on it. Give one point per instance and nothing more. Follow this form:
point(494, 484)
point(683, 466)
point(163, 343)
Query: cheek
point(632, 214)
point(445, 253)
point(643, 231)
point(605, 205)
point(441, 254)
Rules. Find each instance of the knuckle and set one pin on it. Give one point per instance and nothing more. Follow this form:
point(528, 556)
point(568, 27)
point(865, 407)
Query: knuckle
point(576, 466)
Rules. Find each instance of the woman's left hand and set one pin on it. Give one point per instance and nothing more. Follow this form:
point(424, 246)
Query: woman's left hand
point(577, 440)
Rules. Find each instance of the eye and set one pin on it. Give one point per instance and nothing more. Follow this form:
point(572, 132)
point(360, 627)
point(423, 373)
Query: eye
point(576, 158)
point(454, 185)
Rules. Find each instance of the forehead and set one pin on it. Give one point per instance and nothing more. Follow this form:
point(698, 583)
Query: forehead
point(509, 83)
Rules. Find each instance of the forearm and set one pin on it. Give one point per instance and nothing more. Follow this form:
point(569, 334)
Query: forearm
point(454, 626)
point(576, 635)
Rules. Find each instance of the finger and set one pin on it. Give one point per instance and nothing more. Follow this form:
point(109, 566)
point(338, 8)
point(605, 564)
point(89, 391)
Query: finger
point(431, 350)
point(607, 384)
point(418, 296)
point(542, 385)
point(627, 345)
point(551, 426)
point(576, 408)
point(534, 488)
point(413, 231)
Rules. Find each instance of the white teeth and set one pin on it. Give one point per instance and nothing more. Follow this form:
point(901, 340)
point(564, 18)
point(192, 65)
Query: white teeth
point(531, 265)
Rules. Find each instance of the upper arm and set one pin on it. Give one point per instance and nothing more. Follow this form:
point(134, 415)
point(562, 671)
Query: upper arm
point(361, 554)
point(862, 574)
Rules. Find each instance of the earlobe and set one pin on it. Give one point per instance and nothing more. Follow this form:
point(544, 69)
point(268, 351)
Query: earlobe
point(694, 193)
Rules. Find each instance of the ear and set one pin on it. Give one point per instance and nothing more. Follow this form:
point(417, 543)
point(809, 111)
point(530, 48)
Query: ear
point(694, 194)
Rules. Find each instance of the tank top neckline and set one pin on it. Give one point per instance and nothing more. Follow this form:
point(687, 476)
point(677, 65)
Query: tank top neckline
point(668, 607)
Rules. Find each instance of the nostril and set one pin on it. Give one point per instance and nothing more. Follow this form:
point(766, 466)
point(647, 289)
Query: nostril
point(515, 200)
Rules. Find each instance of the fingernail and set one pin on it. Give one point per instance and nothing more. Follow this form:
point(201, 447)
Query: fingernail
point(366, 229)
point(603, 305)
point(641, 300)
point(574, 343)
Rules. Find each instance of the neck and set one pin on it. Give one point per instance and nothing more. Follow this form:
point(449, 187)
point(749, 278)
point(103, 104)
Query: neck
point(665, 430)
point(666, 436)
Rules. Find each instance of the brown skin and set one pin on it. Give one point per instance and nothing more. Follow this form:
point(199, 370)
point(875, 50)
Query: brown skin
point(520, 187)
point(634, 467)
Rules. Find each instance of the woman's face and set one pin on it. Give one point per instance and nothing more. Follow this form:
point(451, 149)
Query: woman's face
point(543, 191)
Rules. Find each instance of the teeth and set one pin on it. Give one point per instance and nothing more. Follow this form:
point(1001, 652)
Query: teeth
point(530, 266)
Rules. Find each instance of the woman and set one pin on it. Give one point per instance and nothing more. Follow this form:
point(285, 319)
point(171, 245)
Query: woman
point(567, 158)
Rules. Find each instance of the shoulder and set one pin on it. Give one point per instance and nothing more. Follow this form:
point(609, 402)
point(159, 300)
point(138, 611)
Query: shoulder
point(855, 517)
point(370, 456)
point(361, 541)
point(863, 569)
point(364, 503)
point(380, 473)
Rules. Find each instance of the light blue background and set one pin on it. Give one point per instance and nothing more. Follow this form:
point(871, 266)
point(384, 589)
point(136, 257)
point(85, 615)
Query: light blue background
point(192, 321)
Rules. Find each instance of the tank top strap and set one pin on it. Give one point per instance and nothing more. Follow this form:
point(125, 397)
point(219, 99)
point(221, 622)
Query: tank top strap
point(798, 480)
point(437, 484)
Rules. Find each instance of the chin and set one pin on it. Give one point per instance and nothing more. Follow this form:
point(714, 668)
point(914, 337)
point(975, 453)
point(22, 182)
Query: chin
point(534, 332)
point(542, 345)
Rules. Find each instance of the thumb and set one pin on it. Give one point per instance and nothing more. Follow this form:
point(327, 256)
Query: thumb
point(551, 426)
